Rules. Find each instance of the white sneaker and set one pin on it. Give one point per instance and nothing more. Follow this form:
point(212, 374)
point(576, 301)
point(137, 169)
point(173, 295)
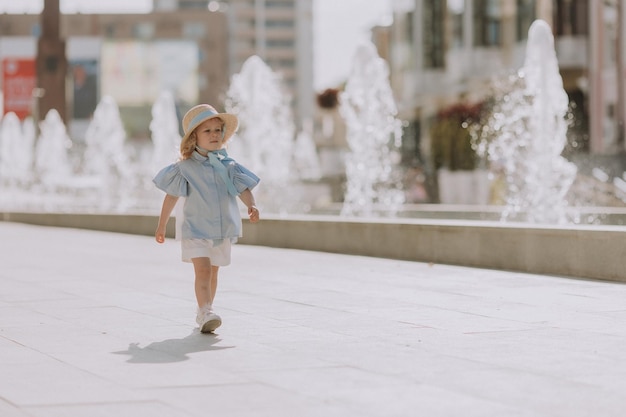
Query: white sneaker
point(212, 322)
point(208, 320)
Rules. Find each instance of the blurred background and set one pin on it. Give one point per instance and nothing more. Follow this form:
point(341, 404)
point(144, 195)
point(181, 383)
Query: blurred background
point(442, 58)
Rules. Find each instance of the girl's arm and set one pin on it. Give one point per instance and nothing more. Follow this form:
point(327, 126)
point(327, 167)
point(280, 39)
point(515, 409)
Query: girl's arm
point(169, 202)
point(247, 198)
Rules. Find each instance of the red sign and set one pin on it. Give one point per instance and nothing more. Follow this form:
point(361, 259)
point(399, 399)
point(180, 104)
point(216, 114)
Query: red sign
point(18, 81)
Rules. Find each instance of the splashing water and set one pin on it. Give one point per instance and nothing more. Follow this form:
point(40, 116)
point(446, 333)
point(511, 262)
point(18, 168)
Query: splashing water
point(52, 163)
point(16, 156)
point(32, 169)
point(305, 160)
point(105, 137)
point(264, 141)
point(526, 134)
point(106, 157)
point(165, 135)
point(52, 173)
point(374, 136)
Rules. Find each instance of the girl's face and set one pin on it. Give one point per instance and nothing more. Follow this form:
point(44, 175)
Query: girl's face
point(209, 134)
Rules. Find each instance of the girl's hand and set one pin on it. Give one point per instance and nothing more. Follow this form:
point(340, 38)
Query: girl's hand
point(253, 213)
point(160, 234)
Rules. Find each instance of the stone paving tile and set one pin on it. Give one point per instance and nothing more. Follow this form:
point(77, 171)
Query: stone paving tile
point(10, 410)
point(102, 324)
point(139, 408)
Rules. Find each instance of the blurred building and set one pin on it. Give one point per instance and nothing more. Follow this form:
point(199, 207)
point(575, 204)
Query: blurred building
point(190, 47)
point(445, 52)
point(281, 33)
point(132, 57)
point(278, 31)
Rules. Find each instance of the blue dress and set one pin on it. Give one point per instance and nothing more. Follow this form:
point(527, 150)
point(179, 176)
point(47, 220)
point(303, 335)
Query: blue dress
point(210, 211)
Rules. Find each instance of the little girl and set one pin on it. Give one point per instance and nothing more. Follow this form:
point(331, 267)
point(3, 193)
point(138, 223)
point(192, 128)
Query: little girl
point(209, 180)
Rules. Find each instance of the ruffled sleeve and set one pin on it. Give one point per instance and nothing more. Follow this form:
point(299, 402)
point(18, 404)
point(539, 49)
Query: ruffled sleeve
point(242, 177)
point(171, 180)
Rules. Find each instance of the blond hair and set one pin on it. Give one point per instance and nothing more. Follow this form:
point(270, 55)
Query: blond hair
point(188, 144)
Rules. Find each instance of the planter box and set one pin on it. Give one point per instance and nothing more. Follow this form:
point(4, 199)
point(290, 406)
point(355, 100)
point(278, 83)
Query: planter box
point(463, 187)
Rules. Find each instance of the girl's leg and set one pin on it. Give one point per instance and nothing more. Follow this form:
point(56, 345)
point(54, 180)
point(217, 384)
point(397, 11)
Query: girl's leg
point(206, 280)
point(205, 286)
point(214, 271)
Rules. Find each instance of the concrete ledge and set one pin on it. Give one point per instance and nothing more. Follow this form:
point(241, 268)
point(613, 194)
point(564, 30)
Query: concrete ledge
point(592, 252)
point(126, 223)
point(596, 252)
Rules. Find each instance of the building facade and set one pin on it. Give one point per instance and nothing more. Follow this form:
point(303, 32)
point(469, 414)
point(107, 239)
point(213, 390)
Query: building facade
point(445, 52)
point(280, 32)
point(190, 47)
point(132, 57)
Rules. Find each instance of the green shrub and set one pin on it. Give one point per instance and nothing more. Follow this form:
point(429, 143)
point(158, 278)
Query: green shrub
point(451, 139)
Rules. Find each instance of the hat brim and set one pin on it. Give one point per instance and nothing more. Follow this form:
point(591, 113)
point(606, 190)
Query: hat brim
point(231, 123)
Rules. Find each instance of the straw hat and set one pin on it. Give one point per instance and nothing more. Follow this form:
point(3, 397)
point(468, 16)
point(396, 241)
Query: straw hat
point(203, 112)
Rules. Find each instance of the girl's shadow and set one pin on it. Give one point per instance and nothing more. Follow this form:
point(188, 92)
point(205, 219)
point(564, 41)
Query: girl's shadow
point(172, 350)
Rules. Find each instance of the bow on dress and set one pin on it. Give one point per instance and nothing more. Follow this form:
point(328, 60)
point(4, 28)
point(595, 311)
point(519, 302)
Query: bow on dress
point(217, 159)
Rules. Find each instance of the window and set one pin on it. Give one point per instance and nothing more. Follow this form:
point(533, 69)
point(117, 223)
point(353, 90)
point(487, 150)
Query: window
point(109, 30)
point(456, 9)
point(194, 30)
point(525, 17)
point(487, 23)
point(433, 26)
point(410, 26)
point(570, 17)
point(193, 4)
point(279, 24)
point(35, 30)
point(281, 63)
point(144, 30)
point(277, 4)
point(411, 152)
point(280, 43)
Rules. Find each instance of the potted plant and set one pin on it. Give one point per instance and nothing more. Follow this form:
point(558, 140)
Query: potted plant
point(454, 157)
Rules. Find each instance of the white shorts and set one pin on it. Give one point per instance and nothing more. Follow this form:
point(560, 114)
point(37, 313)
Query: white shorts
point(204, 248)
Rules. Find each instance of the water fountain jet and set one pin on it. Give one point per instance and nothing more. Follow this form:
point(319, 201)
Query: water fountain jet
point(16, 157)
point(582, 251)
point(374, 135)
point(165, 133)
point(526, 134)
point(265, 142)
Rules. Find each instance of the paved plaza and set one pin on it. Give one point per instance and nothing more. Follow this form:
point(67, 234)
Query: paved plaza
point(102, 324)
